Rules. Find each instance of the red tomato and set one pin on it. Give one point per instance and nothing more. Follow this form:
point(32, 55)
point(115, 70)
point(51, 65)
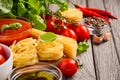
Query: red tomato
point(58, 30)
point(68, 67)
point(82, 32)
point(2, 59)
point(50, 25)
point(1, 50)
point(69, 33)
point(59, 22)
point(10, 35)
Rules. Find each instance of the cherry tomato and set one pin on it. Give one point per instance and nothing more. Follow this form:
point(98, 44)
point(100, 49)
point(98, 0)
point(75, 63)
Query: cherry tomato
point(69, 33)
point(2, 59)
point(50, 25)
point(10, 35)
point(58, 30)
point(59, 22)
point(68, 67)
point(59, 26)
point(1, 50)
point(82, 32)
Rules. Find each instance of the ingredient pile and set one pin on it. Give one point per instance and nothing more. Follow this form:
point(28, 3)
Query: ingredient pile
point(36, 34)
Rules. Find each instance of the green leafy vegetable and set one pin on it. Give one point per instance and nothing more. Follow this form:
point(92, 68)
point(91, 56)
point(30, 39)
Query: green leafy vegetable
point(21, 9)
point(31, 9)
point(48, 37)
point(37, 22)
point(82, 46)
point(10, 26)
point(5, 6)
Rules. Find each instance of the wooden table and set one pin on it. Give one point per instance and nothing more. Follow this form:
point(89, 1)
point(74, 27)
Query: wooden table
point(101, 62)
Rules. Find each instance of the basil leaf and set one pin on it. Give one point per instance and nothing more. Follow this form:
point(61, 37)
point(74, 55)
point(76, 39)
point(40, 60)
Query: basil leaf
point(63, 6)
point(10, 26)
point(35, 4)
point(48, 37)
point(82, 46)
point(55, 1)
point(3, 27)
point(6, 6)
point(38, 22)
point(21, 9)
point(15, 25)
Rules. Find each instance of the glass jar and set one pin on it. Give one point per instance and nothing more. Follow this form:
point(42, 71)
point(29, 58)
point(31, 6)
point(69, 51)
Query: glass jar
point(41, 68)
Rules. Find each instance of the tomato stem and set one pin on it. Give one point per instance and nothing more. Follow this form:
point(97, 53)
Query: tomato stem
point(79, 64)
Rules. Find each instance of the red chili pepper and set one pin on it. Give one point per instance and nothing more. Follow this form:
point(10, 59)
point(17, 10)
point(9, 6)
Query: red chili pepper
point(102, 12)
point(89, 13)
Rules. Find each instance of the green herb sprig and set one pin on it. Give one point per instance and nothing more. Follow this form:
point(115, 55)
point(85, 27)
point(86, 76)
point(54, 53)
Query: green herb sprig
point(10, 26)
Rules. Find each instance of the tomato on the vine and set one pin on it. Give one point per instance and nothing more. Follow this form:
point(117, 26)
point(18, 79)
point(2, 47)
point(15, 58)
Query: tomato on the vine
point(2, 59)
point(82, 32)
point(58, 30)
point(68, 67)
point(69, 33)
point(50, 25)
point(59, 22)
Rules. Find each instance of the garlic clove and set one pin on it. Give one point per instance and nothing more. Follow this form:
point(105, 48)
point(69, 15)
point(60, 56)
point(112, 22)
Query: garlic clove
point(106, 36)
point(97, 39)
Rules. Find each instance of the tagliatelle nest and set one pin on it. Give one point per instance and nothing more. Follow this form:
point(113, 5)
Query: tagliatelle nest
point(49, 50)
point(73, 14)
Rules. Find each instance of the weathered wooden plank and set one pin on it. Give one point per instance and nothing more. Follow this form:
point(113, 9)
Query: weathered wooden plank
point(114, 8)
point(105, 55)
point(86, 58)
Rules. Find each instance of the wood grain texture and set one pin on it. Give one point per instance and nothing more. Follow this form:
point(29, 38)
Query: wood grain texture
point(87, 72)
point(105, 54)
point(114, 8)
point(101, 62)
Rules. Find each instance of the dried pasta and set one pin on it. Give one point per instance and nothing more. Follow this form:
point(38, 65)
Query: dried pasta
point(24, 52)
point(73, 14)
point(49, 50)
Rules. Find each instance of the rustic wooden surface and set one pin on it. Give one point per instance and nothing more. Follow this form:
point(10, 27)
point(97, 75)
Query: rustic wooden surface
point(101, 62)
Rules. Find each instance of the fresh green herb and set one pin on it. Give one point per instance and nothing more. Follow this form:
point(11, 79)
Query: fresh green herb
point(5, 6)
point(30, 9)
point(82, 46)
point(10, 26)
point(48, 37)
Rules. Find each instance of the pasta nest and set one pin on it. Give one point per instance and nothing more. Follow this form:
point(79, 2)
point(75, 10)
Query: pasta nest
point(49, 50)
point(24, 52)
point(73, 14)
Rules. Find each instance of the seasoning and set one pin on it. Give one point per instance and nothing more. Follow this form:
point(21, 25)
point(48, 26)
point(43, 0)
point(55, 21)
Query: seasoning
point(97, 24)
point(89, 13)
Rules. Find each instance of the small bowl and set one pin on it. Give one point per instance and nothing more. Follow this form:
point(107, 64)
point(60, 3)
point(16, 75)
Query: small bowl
point(39, 67)
point(6, 67)
point(11, 35)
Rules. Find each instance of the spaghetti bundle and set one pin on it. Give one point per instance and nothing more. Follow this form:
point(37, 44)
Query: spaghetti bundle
point(24, 52)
